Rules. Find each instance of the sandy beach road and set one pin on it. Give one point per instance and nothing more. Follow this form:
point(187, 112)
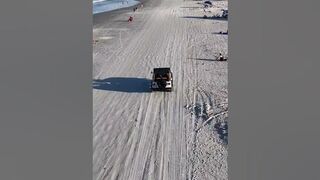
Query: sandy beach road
point(138, 134)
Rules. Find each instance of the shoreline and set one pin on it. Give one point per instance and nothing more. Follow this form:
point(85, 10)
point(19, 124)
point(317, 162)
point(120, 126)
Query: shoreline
point(104, 17)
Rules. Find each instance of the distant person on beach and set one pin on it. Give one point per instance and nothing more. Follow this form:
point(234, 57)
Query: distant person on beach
point(130, 19)
point(220, 58)
point(141, 5)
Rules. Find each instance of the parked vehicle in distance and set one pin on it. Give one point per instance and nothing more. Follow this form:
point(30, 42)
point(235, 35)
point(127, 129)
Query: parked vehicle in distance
point(207, 4)
point(224, 13)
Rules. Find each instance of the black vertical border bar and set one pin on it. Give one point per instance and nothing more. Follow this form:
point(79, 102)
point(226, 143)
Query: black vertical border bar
point(45, 91)
point(274, 90)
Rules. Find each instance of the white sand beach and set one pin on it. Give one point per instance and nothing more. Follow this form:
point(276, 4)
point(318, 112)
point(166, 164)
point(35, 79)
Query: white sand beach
point(178, 135)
